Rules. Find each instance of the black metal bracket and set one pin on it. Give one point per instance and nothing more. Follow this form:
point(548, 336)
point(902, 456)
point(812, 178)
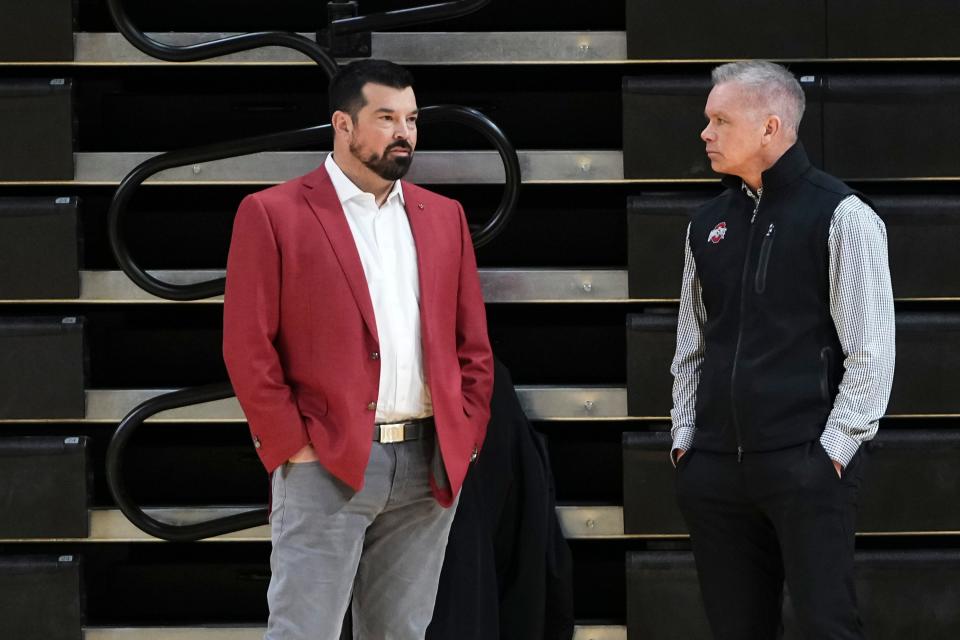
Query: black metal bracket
point(348, 34)
point(349, 45)
point(406, 17)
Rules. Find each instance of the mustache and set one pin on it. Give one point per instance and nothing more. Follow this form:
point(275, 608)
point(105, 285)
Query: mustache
point(399, 144)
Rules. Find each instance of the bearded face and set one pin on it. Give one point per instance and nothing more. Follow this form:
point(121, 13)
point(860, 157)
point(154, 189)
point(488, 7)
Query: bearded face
point(384, 134)
point(392, 163)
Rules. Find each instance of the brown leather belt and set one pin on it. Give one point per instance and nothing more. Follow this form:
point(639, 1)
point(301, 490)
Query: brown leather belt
point(403, 431)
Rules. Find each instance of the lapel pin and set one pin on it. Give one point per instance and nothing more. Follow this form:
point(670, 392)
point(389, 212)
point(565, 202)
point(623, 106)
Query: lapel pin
point(420, 206)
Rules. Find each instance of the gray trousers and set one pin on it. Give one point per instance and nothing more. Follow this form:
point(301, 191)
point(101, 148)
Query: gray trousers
point(383, 545)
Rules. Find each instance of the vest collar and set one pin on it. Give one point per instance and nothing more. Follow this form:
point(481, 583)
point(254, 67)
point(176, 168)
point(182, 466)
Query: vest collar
point(791, 165)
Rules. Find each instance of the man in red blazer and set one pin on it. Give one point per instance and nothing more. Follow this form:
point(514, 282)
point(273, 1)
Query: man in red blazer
point(355, 338)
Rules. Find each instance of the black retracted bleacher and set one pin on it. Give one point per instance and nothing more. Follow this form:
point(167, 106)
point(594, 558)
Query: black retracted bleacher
point(651, 343)
point(921, 235)
point(792, 29)
point(664, 600)
point(928, 364)
point(917, 225)
point(38, 30)
point(700, 29)
point(893, 28)
point(46, 482)
point(40, 597)
point(911, 476)
point(663, 118)
point(36, 126)
point(874, 125)
point(39, 248)
point(43, 367)
point(656, 232)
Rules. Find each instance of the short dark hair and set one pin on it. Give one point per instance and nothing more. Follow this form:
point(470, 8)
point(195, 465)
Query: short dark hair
point(346, 87)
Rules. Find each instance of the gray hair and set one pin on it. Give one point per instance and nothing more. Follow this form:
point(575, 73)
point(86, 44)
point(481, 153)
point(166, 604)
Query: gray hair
point(771, 86)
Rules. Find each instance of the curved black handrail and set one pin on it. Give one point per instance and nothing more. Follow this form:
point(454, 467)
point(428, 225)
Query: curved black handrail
point(406, 17)
point(219, 47)
point(244, 42)
point(180, 158)
point(133, 512)
point(483, 234)
point(234, 44)
point(295, 138)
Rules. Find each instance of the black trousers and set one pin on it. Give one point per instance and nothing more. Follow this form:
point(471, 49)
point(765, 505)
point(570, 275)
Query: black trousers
point(774, 516)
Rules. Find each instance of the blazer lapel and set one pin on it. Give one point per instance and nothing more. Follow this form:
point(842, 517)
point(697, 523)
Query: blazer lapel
point(322, 197)
point(423, 238)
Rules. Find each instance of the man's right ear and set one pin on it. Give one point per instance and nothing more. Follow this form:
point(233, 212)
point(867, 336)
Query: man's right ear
point(341, 122)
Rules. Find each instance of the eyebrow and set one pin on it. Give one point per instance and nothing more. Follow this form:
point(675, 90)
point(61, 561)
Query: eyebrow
point(387, 110)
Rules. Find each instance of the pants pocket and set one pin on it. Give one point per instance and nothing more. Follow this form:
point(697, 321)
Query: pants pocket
point(310, 488)
point(823, 455)
point(684, 461)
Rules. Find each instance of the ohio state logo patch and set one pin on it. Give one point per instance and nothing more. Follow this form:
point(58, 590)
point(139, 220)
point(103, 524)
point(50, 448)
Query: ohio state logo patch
point(718, 233)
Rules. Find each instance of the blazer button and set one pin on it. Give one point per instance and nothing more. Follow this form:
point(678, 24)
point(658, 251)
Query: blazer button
point(473, 456)
point(371, 406)
point(374, 356)
point(256, 442)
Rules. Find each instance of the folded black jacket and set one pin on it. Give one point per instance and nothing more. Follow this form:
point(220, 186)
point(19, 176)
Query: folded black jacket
point(507, 572)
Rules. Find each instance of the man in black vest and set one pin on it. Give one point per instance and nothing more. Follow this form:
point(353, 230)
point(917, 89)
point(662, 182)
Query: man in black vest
point(784, 363)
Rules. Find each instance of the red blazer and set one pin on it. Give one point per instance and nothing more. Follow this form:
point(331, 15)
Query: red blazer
point(299, 334)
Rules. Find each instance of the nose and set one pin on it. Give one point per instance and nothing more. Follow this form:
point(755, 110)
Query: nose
point(402, 130)
point(707, 134)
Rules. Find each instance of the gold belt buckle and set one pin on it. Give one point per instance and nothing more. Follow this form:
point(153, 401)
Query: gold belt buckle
point(391, 432)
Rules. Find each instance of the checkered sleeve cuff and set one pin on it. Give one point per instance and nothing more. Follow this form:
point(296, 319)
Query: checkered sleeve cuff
point(682, 439)
point(839, 446)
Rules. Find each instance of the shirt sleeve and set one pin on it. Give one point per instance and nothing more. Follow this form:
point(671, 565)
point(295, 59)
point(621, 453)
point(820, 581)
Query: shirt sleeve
point(689, 354)
point(861, 304)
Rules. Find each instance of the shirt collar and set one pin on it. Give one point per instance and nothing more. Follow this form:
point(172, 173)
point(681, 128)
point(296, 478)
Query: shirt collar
point(347, 190)
point(747, 190)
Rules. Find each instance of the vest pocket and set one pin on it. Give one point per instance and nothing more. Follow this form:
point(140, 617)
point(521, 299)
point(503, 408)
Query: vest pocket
point(826, 357)
point(760, 282)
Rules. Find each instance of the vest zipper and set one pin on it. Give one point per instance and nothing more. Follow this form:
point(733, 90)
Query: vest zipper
point(743, 305)
point(765, 250)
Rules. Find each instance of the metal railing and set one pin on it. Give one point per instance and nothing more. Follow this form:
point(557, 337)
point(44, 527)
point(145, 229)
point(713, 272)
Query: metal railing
point(126, 503)
point(299, 137)
point(482, 234)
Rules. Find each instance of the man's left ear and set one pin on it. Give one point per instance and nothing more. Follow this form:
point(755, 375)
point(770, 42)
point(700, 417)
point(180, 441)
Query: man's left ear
point(772, 126)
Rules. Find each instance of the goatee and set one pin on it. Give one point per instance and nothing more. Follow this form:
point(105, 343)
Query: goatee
point(386, 165)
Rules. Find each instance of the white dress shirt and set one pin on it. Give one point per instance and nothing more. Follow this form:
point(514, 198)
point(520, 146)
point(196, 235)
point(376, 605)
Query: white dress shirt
point(389, 258)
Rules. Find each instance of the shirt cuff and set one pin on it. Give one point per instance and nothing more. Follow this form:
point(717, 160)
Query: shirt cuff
point(839, 446)
point(682, 439)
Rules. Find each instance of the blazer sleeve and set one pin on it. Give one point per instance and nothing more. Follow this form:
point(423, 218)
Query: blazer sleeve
point(473, 342)
point(251, 315)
